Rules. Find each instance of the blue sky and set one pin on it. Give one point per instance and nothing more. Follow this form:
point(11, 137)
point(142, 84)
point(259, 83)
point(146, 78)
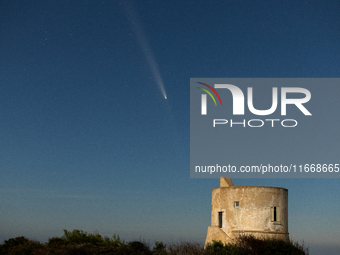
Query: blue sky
point(87, 140)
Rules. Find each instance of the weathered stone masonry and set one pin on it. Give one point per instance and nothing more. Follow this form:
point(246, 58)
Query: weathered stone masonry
point(236, 210)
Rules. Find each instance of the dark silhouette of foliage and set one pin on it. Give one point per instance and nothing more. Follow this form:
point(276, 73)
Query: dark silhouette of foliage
point(139, 248)
point(78, 242)
point(250, 245)
point(159, 249)
point(186, 248)
point(19, 246)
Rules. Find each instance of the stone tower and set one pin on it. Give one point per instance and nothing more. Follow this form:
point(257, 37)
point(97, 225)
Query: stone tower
point(259, 211)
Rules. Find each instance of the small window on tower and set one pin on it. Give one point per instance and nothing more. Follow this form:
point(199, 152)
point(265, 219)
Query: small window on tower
point(236, 203)
point(275, 213)
point(220, 214)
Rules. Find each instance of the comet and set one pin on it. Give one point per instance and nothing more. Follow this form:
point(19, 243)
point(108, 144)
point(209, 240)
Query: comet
point(144, 44)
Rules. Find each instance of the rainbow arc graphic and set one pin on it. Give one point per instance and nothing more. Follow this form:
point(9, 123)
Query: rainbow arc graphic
point(204, 97)
point(209, 93)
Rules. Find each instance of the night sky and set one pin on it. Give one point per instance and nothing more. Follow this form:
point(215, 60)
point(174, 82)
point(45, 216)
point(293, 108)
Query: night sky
point(88, 140)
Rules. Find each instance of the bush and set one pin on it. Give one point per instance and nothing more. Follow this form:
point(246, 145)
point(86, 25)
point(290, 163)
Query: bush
point(81, 237)
point(218, 248)
point(159, 249)
point(19, 246)
point(185, 248)
point(55, 241)
point(250, 245)
point(139, 248)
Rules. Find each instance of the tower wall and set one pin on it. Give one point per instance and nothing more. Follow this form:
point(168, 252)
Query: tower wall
point(260, 211)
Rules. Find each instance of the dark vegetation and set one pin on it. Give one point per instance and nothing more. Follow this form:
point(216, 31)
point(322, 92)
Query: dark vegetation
point(78, 242)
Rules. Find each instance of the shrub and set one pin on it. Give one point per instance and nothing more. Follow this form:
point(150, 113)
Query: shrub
point(81, 237)
point(80, 242)
point(159, 249)
point(137, 247)
point(185, 248)
point(19, 246)
point(55, 241)
point(250, 245)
